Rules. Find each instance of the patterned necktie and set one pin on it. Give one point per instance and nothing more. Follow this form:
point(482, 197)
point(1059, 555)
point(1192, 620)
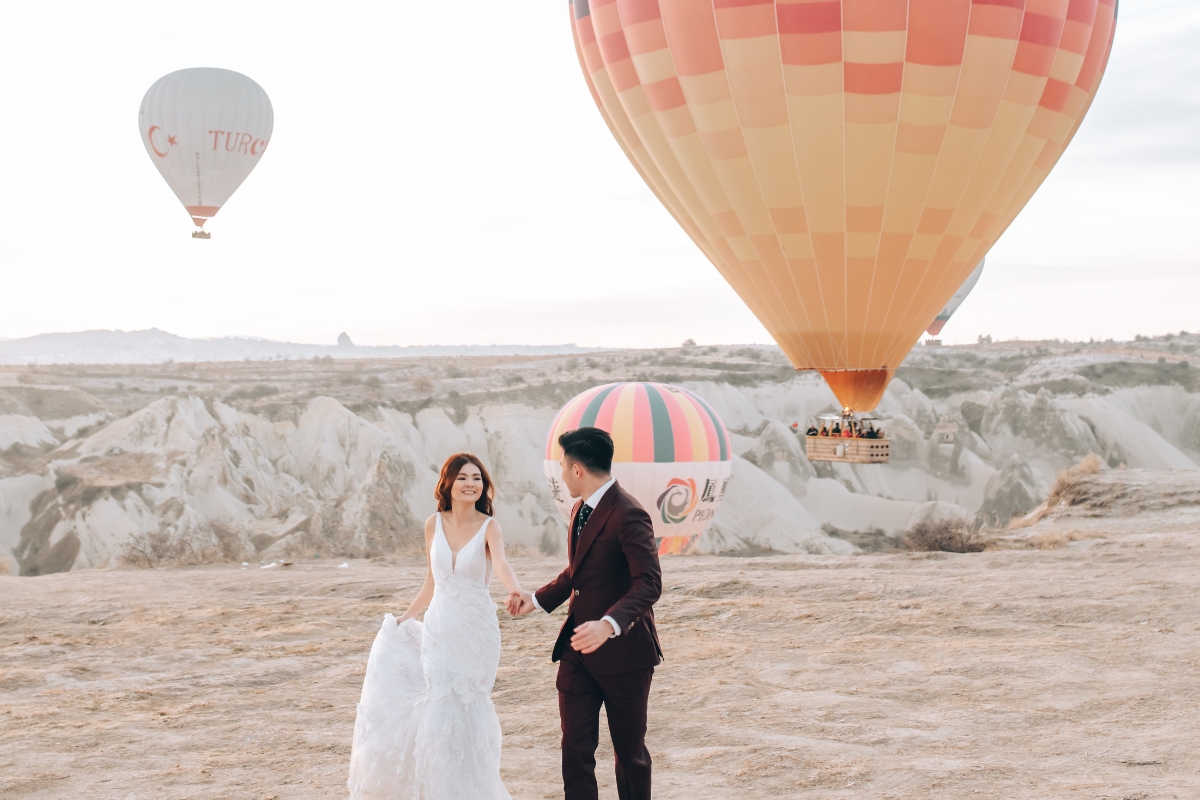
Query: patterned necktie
point(580, 520)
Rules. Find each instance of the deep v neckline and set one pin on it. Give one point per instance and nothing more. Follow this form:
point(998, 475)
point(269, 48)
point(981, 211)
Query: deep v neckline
point(446, 539)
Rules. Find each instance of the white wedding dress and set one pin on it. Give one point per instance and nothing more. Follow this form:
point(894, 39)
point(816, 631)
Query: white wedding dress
point(426, 727)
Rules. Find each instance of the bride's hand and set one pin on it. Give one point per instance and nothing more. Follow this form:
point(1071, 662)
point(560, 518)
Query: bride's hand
point(520, 602)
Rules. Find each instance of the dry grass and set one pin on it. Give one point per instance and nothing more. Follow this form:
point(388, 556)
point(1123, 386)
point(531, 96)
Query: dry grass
point(1065, 490)
point(945, 536)
point(1052, 539)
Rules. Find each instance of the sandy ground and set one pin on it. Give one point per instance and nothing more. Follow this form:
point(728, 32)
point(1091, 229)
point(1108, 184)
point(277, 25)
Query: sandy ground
point(1070, 673)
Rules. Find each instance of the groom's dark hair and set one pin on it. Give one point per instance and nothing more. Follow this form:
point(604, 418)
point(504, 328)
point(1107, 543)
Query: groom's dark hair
point(591, 448)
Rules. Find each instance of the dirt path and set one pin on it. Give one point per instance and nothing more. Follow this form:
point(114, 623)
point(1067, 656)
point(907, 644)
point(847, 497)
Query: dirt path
point(1059, 674)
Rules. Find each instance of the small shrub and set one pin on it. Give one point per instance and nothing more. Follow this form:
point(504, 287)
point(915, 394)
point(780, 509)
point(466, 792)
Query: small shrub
point(159, 549)
point(945, 536)
point(252, 393)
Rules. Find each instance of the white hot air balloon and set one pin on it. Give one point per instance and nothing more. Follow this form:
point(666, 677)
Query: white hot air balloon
point(942, 318)
point(205, 129)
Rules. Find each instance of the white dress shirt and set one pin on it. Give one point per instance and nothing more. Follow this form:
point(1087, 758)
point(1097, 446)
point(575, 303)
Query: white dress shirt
point(591, 503)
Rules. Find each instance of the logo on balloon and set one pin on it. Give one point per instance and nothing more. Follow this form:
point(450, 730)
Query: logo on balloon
point(678, 501)
point(244, 143)
point(169, 144)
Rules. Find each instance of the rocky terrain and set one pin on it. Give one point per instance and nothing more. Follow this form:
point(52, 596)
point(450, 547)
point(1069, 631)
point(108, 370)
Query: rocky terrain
point(1063, 668)
point(256, 461)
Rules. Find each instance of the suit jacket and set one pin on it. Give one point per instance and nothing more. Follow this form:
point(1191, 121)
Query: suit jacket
point(614, 571)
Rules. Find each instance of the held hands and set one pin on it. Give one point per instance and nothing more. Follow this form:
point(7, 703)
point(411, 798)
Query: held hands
point(590, 635)
point(520, 602)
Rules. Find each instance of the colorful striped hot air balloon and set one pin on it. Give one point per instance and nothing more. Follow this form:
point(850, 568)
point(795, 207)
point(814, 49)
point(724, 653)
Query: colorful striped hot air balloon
point(671, 453)
point(946, 313)
point(844, 164)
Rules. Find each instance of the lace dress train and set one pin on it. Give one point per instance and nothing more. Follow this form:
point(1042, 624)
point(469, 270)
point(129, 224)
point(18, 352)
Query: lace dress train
point(426, 727)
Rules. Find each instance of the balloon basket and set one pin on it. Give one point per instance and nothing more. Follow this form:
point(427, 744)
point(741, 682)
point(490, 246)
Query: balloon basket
point(847, 451)
point(201, 235)
point(865, 447)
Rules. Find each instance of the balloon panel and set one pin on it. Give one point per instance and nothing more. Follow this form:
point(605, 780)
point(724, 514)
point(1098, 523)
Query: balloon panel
point(652, 422)
point(681, 499)
point(843, 164)
point(946, 313)
point(671, 452)
point(205, 129)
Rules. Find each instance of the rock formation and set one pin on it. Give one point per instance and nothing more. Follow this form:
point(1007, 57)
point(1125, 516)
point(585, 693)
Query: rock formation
point(254, 461)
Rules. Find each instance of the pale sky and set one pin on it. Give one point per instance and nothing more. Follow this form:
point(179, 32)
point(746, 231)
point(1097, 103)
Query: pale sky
point(438, 174)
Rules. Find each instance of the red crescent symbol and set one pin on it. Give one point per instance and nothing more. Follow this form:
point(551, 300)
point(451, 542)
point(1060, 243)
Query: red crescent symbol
point(150, 138)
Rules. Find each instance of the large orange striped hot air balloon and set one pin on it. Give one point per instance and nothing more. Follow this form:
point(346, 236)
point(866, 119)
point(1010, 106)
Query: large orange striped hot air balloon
point(671, 453)
point(844, 164)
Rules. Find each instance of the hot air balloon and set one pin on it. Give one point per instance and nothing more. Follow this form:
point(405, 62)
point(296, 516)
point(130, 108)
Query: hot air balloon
point(844, 164)
point(944, 315)
point(205, 129)
point(671, 453)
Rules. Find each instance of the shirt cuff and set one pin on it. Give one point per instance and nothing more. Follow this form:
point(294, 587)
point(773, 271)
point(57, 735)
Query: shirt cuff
point(536, 603)
point(615, 626)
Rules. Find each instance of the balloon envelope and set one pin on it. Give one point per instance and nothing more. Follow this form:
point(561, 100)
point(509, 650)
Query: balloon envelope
point(672, 453)
point(205, 129)
point(844, 164)
point(946, 313)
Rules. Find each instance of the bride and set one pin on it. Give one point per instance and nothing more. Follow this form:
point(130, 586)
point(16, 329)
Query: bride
point(426, 727)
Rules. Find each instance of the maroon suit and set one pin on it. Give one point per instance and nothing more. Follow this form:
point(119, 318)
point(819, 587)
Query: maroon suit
point(613, 571)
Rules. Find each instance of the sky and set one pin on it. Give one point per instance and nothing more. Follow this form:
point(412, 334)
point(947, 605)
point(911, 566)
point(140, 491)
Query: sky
point(438, 174)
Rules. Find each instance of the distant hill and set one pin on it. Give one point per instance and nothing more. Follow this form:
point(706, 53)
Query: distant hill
point(157, 347)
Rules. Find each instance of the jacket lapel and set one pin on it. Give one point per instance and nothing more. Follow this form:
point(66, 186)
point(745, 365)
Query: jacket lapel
point(570, 538)
point(594, 524)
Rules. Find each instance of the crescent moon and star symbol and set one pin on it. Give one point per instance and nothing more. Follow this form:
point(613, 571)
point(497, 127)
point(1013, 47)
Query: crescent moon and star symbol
point(171, 141)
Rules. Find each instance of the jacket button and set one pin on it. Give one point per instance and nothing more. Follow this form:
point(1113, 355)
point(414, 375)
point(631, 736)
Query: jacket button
point(577, 593)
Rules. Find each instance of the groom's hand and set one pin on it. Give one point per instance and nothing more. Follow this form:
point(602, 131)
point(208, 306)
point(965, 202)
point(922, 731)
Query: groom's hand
point(590, 635)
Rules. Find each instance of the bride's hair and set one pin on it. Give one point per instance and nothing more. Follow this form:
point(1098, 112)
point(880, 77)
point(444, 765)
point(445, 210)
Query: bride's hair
point(450, 470)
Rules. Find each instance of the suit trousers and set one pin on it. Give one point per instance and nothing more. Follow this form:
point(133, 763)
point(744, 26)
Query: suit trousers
point(624, 697)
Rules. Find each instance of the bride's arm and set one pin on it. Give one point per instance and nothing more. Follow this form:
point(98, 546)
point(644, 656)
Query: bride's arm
point(421, 601)
point(495, 544)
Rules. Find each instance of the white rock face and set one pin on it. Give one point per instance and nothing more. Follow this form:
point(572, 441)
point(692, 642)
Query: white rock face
point(16, 496)
point(190, 479)
point(1136, 427)
point(759, 514)
point(29, 432)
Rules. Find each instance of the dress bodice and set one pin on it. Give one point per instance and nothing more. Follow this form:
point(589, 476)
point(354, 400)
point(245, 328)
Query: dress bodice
point(470, 564)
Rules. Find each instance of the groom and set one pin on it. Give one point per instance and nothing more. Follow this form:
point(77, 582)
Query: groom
point(608, 647)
